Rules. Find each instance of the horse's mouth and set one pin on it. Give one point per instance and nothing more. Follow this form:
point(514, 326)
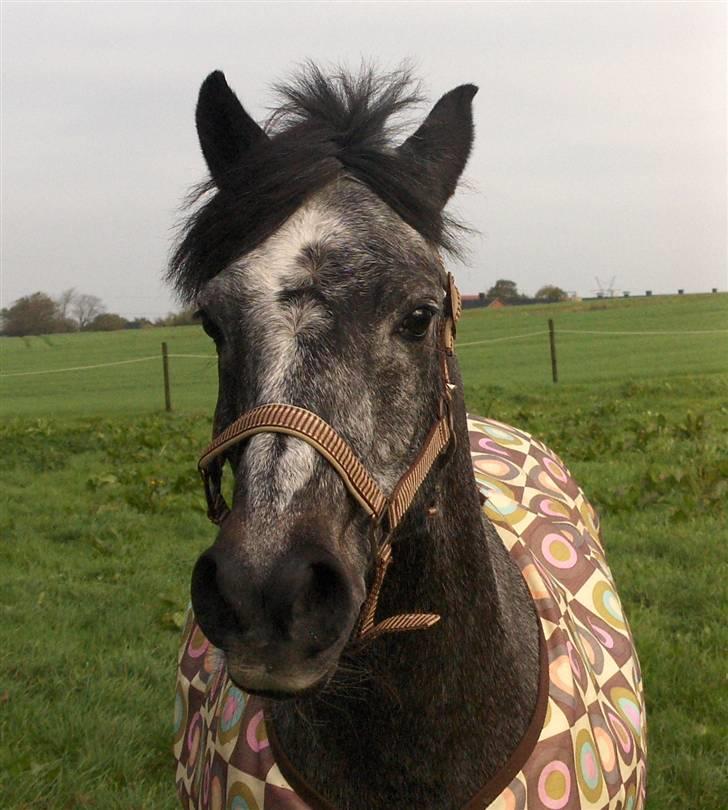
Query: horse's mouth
point(281, 696)
point(275, 687)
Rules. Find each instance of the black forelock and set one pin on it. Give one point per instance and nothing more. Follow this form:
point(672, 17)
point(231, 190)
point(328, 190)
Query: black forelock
point(324, 127)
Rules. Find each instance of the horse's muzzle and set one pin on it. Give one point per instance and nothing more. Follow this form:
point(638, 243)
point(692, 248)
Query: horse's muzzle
point(283, 633)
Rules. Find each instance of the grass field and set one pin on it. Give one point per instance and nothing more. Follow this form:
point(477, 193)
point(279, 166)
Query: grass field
point(103, 517)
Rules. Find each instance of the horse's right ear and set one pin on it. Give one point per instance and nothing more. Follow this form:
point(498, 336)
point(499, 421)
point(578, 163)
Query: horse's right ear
point(225, 130)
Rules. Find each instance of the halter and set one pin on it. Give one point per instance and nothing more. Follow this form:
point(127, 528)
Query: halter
point(385, 512)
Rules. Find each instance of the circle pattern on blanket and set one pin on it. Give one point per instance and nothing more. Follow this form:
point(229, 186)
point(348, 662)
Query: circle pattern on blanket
point(555, 470)
point(591, 649)
point(193, 741)
point(216, 794)
point(180, 715)
point(589, 768)
point(605, 746)
point(561, 675)
point(206, 781)
point(495, 487)
point(233, 705)
point(540, 479)
point(256, 734)
point(606, 638)
point(575, 662)
point(491, 446)
point(212, 662)
point(497, 468)
point(606, 604)
point(557, 551)
point(551, 507)
point(198, 643)
point(623, 737)
point(501, 505)
point(512, 798)
point(625, 702)
point(554, 785)
point(240, 797)
point(500, 434)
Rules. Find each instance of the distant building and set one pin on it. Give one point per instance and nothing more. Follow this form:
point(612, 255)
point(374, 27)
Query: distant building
point(473, 300)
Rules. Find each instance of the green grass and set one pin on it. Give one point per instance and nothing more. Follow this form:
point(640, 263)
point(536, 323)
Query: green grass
point(129, 389)
point(103, 517)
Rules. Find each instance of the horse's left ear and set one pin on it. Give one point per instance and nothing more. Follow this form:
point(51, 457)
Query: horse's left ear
point(441, 146)
point(224, 128)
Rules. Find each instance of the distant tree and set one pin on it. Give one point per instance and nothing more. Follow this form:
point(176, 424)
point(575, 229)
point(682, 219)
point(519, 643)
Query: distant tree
point(504, 289)
point(65, 301)
point(139, 323)
point(107, 322)
point(185, 317)
point(551, 294)
point(35, 314)
point(86, 308)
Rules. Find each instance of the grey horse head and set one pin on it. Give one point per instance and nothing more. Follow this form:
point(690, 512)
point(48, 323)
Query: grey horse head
point(313, 259)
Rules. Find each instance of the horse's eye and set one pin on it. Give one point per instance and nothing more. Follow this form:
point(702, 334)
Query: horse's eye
point(209, 327)
point(416, 324)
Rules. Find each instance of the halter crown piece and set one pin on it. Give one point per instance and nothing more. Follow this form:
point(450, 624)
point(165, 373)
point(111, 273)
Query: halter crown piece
point(385, 512)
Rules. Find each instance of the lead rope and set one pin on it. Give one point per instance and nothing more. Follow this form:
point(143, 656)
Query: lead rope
point(367, 630)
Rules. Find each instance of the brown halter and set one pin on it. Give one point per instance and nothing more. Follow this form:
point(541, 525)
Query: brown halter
point(386, 512)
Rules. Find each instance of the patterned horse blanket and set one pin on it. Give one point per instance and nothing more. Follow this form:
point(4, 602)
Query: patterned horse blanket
point(587, 743)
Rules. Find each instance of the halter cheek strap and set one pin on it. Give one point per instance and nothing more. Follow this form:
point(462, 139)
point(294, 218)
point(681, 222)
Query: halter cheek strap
point(385, 512)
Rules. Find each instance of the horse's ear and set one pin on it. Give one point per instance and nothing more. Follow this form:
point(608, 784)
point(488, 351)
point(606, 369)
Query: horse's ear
point(441, 145)
point(225, 130)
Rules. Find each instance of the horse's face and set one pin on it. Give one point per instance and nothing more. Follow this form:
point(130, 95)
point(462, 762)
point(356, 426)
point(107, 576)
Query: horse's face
point(336, 311)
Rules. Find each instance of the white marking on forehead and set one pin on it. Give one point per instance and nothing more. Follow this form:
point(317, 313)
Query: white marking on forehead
point(267, 271)
point(275, 264)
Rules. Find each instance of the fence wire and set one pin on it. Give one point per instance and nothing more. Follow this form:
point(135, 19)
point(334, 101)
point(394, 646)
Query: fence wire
point(560, 331)
point(79, 368)
point(484, 341)
point(500, 339)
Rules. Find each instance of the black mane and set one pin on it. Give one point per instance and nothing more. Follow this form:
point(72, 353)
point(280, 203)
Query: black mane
point(325, 126)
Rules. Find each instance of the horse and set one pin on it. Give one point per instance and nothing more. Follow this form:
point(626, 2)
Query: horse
point(404, 605)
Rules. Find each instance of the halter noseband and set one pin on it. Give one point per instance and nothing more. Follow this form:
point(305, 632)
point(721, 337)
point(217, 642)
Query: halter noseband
point(385, 512)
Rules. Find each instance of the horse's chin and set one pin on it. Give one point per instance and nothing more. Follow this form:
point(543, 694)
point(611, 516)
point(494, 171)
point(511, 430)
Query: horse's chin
point(278, 687)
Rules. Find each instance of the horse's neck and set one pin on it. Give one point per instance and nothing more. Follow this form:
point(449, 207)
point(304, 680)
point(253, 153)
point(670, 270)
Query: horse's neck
point(423, 719)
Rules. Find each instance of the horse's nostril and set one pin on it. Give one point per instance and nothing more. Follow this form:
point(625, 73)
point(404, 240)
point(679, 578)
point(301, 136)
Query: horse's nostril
point(214, 612)
point(311, 601)
point(321, 588)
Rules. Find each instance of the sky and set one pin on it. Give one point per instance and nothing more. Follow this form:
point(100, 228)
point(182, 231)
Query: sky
point(600, 148)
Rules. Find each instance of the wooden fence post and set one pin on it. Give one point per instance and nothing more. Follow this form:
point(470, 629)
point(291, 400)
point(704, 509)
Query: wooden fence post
point(165, 368)
point(552, 341)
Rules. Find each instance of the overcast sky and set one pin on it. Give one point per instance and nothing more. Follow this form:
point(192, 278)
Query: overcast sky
point(600, 132)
